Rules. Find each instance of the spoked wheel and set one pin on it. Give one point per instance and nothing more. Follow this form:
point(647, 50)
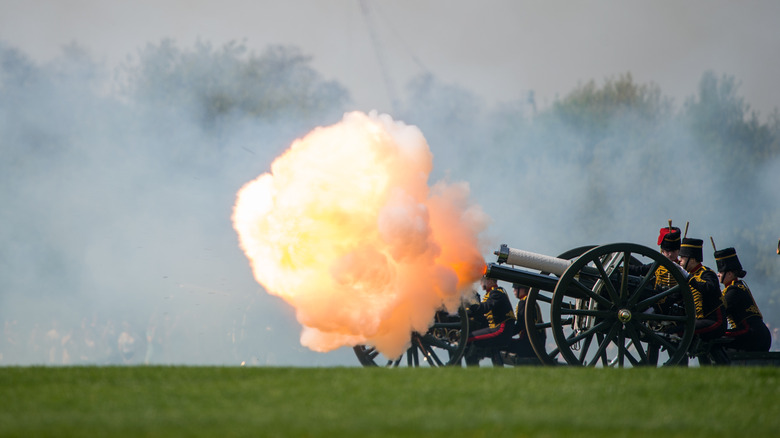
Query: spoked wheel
point(539, 332)
point(608, 317)
point(442, 345)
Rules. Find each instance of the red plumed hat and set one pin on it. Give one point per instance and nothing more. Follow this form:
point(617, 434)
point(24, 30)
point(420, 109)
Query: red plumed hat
point(669, 238)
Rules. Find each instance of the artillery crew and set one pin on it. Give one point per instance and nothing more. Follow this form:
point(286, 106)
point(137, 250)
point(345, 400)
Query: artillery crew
point(745, 323)
point(703, 282)
point(497, 309)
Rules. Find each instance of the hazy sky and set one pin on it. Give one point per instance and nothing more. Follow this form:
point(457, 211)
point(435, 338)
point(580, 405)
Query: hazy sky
point(496, 49)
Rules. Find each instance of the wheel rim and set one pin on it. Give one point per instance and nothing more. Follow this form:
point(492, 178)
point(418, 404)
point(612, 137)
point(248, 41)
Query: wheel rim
point(540, 334)
point(442, 345)
point(602, 316)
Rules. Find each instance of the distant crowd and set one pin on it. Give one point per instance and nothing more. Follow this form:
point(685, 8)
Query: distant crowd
point(93, 341)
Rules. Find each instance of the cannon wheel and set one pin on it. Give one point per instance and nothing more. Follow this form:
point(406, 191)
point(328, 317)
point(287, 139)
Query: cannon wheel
point(442, 345)
point(538, 333)
point(615, 324)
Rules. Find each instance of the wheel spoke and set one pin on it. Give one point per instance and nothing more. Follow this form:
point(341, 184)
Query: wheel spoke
point(653, 337)
point(544, 298)
point(414, 351)
point(542, 325)
point(595, 329)
point(430, 356)
point(643, 284)
point(621, 346)
point(634, 361)
point(603, 345)
point(432, 340)
point(613, 294)
point(601, 300)
point(585, 347)
point(624, 277)
point(624, 351)
point(647, 302)
point(632, 333)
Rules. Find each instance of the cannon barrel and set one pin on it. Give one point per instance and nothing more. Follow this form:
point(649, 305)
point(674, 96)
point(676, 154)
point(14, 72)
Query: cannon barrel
point(587, 276)
point(532, 260)
point(513, 275)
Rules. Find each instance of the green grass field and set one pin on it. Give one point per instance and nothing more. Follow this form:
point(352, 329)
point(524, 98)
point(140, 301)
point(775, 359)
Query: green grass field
point(362, 402)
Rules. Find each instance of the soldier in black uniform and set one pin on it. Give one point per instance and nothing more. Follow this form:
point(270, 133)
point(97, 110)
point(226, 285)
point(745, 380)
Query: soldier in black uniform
point(703, 282)
point(669, 239)
point(745, 323)
point(497, 309)
point(521, 345)
point(669, 243)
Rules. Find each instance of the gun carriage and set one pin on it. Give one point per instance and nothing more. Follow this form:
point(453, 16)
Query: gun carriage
point(597, 310)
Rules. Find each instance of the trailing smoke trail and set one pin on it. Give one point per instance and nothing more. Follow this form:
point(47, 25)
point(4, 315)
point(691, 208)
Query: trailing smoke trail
point(346, 230)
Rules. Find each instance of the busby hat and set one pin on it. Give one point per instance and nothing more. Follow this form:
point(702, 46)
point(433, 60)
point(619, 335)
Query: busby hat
point(727, 260)
point(669, 238)
point(691, 248)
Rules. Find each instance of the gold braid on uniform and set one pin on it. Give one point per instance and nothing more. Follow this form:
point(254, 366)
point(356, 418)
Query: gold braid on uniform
point(752, 310)
point(698, 302)
point(663, 278)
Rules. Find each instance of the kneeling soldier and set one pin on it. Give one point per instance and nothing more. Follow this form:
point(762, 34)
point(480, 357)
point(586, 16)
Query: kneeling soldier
point(746, 325)
point(521, 346)
point(497, 309)
point(707, 299)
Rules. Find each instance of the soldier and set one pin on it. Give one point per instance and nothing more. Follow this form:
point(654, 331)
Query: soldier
point(703, 282)
point(521, 345)
point(746, 325)
point(497, 309)
point(669, 242)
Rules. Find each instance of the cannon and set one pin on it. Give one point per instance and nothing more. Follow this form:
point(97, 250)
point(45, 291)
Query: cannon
point(442, 345)
point(600, 307)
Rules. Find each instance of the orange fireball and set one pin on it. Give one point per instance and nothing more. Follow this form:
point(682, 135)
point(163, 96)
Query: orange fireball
point(346, 230)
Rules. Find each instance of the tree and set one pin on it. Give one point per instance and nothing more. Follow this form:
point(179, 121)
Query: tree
point(214, 84)
point(591, 110)
point(726, 129)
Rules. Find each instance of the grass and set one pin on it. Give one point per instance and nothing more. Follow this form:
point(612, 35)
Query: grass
point(362, 402)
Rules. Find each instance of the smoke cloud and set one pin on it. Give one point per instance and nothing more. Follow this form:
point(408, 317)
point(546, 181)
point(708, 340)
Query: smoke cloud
point(116, 219)
point(116, 214)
